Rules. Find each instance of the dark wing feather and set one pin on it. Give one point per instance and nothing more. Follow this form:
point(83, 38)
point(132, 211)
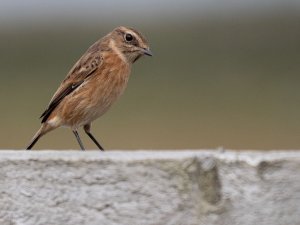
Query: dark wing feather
point(84, 68)
point(54, 103)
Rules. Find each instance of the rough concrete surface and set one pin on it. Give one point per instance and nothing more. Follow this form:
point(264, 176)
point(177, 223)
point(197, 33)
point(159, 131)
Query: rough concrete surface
point(149, 188)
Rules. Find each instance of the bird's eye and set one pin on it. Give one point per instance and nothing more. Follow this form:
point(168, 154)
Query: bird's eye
point(128, 37)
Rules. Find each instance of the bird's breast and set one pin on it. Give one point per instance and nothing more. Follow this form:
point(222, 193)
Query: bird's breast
point(109, 84)
point(95, 96)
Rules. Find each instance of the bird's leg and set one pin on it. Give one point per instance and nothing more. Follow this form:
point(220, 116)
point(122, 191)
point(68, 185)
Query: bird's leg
point(78, 139)
point(87, 129)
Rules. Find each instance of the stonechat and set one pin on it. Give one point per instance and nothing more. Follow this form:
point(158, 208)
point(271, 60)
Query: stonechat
point(94, 83)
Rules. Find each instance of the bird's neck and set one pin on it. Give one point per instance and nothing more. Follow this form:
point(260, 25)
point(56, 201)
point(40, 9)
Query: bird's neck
point(116, 50)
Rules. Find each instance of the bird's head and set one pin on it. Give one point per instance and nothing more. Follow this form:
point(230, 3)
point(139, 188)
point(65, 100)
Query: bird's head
point(130, 43)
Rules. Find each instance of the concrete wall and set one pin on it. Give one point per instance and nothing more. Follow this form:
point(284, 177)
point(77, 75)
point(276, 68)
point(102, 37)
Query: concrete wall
point(151, 188)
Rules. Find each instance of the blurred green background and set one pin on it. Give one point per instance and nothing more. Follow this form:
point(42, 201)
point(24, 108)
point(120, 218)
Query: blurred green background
point(223, 73)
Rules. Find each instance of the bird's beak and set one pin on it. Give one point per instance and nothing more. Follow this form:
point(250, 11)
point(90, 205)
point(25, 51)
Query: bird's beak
point(147, 51)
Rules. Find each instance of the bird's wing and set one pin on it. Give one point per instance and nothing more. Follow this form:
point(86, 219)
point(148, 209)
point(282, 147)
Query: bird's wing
point(83, 68)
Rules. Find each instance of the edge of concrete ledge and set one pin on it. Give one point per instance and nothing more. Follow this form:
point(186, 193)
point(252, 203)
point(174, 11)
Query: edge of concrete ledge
point(251, 157)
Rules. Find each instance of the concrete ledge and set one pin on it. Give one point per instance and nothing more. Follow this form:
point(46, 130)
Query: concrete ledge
point(149, 187)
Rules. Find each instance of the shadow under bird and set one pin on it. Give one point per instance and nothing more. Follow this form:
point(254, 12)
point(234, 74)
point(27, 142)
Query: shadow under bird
point(96, 81)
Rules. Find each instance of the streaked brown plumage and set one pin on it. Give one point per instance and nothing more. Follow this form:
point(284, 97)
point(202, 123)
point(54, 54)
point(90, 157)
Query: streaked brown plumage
point(96, 81)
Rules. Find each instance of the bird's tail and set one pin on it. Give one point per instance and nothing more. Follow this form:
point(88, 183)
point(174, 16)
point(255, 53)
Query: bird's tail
point(43, 130)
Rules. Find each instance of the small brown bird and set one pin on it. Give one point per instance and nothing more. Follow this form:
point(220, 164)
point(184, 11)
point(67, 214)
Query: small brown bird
point(96, 81)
